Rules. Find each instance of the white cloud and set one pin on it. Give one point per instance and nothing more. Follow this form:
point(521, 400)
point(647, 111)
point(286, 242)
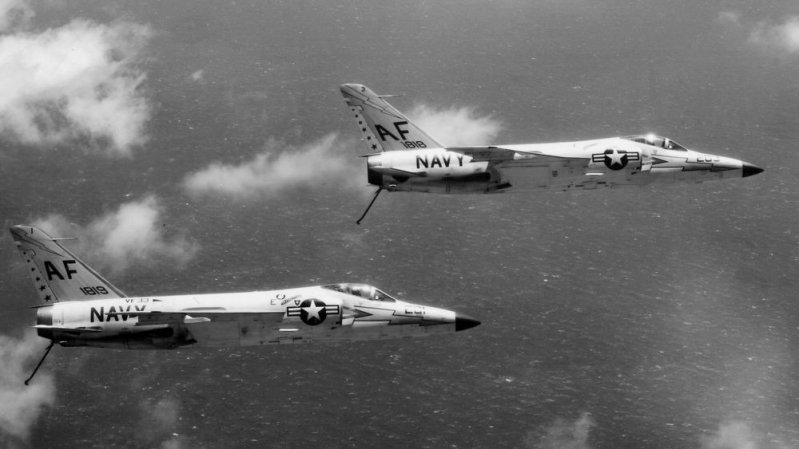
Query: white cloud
point(563, 434)
point(327, 161)
point(782, 36)
point(160, 423)
point(20, 405)
point(731, 435)
point(132, 234)
point(456, 126)
point(80, 81)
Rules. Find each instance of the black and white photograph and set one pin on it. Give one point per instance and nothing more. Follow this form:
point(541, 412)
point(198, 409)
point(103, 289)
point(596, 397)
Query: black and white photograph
point(545, 224)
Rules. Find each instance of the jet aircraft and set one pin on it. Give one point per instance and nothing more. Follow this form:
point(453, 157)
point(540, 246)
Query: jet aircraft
point(78, 307)
point(406, 159)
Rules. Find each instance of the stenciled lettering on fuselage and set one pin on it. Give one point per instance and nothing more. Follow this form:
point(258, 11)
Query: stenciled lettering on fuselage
point(313, 311)
point(383, 132)
point(401, 132)
point(615, 159)
point(92, 291)
point(115, 313)
point(282, 299)
point(51, 270)
point(444, 161)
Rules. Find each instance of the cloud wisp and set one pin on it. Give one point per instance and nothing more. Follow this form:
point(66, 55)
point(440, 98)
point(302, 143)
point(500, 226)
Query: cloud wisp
point(160, 422)
point(736, 434)
point(325, 162)
point(456, 126)
point(783, 36)
point(780, 37)
point(731, 435)
point(78, 84)
point(131, 234)
point(563, 434)
point(20, 406)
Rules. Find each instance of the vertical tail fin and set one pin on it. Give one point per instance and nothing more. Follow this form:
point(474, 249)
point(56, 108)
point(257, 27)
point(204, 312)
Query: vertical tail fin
point(57, 273)
point(384, 127)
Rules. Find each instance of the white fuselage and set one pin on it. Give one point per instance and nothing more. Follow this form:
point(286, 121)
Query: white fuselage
point(238, 319)
point(564, 165)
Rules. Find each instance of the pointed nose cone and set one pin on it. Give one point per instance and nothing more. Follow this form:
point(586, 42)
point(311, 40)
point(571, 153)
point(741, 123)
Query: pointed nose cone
point(463, 322)
point(750, 170)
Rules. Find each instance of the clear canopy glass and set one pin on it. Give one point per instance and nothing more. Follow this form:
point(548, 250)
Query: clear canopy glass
point(362, 290)
point(656, 141)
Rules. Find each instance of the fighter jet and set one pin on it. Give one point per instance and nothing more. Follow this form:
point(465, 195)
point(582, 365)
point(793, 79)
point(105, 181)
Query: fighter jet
point(406, 159)
point(79, 308)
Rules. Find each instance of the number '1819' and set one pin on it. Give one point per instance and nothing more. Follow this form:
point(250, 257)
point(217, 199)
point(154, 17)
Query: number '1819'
point(91, 291)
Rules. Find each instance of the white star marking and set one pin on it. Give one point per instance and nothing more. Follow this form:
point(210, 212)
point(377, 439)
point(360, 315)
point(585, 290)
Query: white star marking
point(313, 311)
point(615, 157)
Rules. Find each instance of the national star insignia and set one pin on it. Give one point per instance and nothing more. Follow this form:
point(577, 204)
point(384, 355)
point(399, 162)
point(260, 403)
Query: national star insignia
point(614, 158)
point(313, 310)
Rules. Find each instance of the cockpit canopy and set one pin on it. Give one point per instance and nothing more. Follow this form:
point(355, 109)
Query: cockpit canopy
point(361, 290)
point(656, 141)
